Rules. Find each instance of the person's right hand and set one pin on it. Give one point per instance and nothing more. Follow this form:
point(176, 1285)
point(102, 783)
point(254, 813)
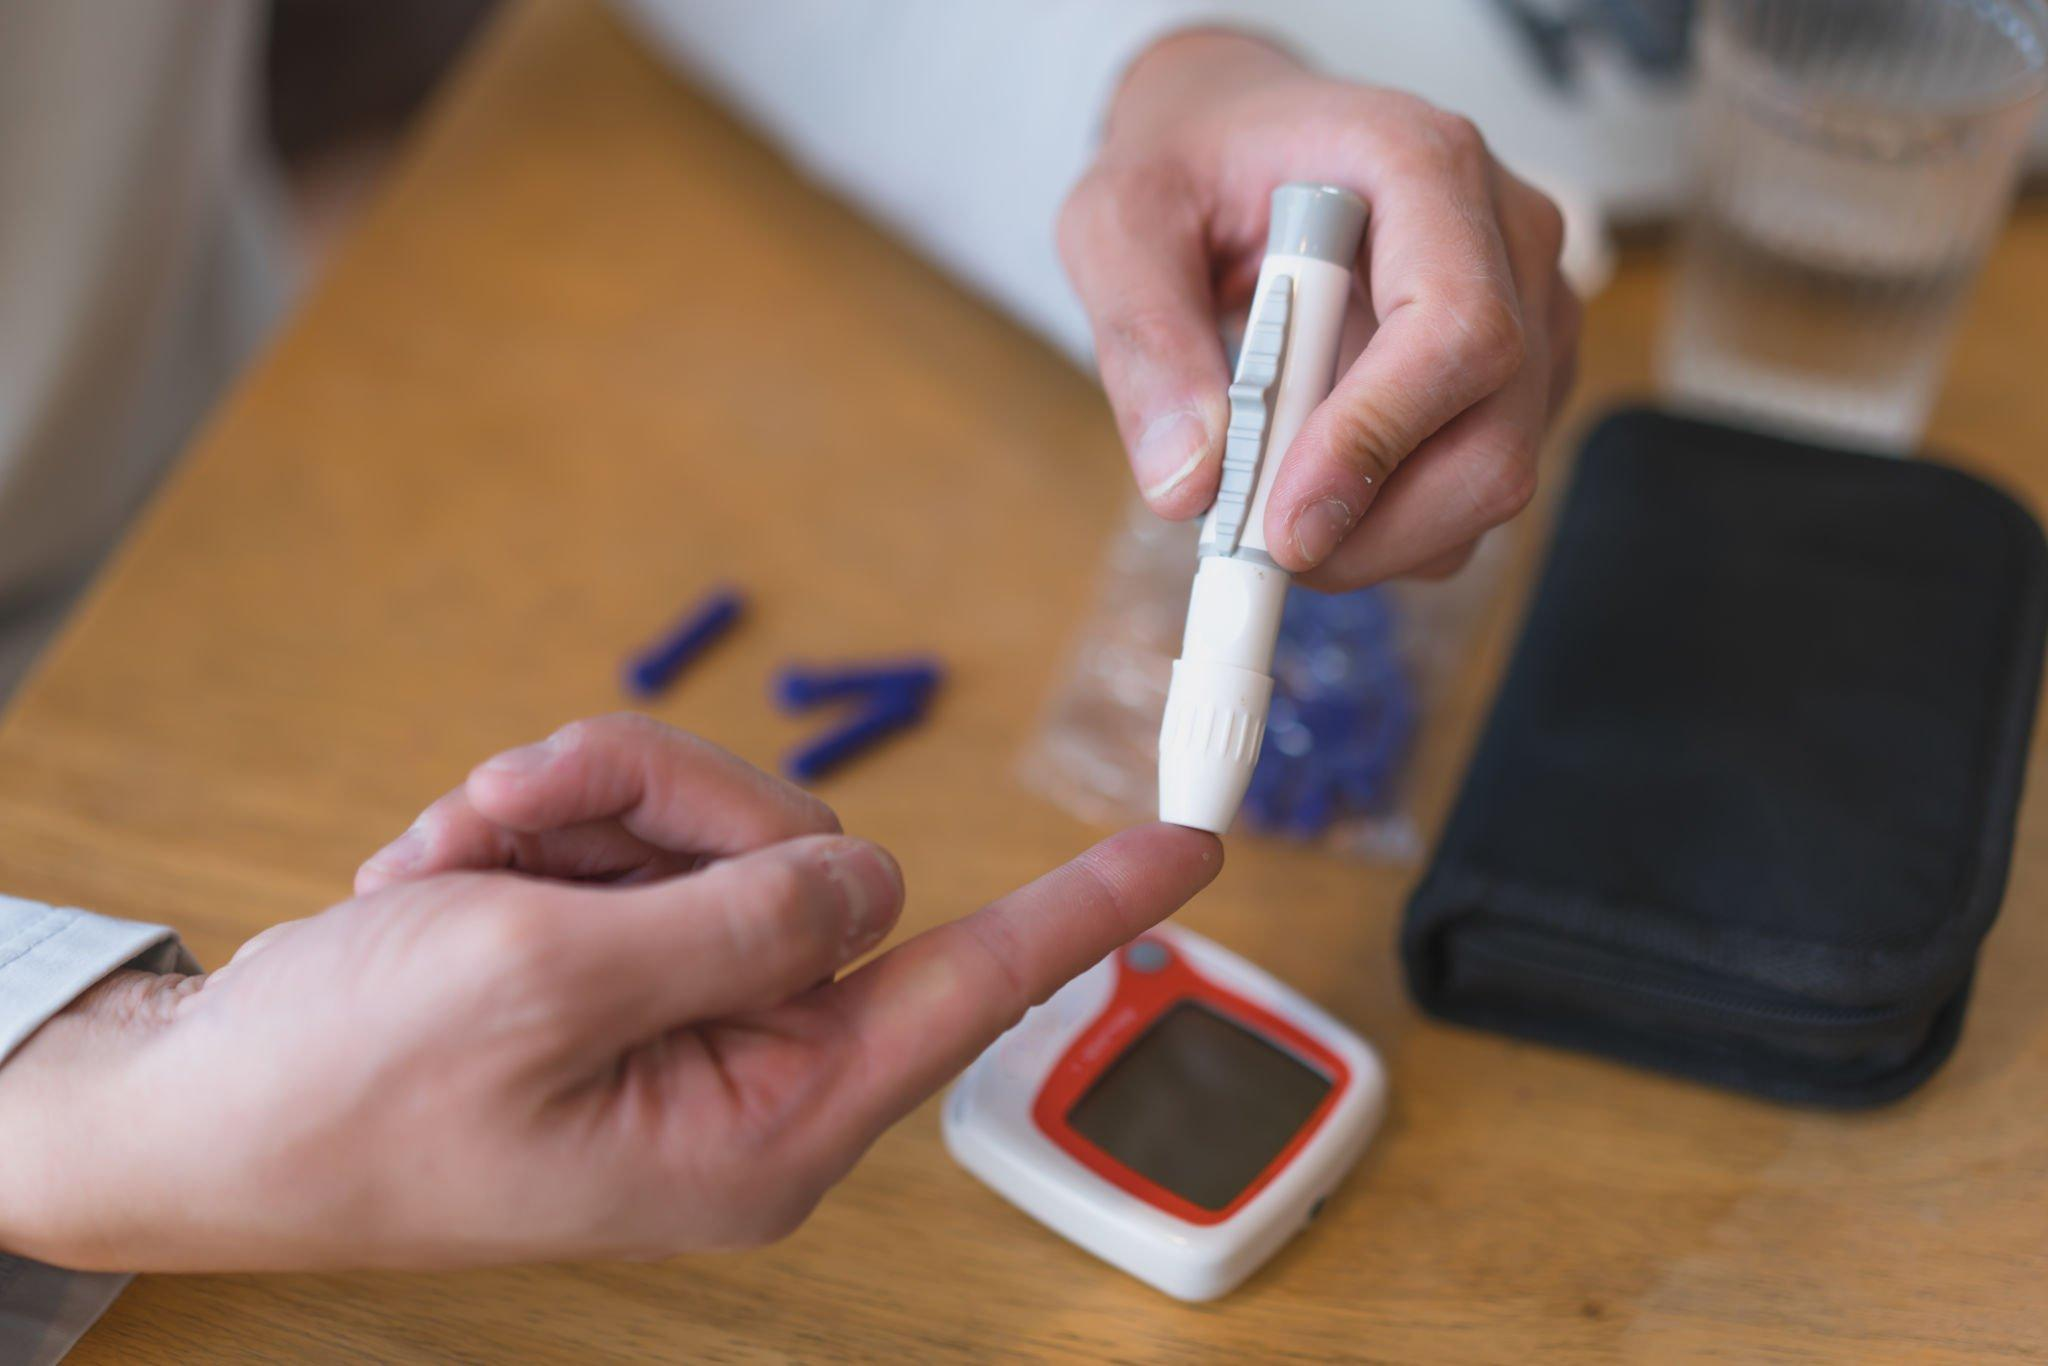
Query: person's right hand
point(625, 1039)
point(1463, 327)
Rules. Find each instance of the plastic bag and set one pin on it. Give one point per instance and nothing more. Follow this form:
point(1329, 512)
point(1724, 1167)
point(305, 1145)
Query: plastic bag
point(1353, 675)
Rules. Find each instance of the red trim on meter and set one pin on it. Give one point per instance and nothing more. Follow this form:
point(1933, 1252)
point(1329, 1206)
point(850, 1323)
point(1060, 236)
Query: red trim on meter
point(1138, 1003)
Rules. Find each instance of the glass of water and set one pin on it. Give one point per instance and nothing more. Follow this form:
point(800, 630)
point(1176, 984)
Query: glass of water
point(1855, 160)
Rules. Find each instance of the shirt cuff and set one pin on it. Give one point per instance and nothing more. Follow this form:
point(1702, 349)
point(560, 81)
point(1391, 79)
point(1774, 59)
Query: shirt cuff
point(48, 956)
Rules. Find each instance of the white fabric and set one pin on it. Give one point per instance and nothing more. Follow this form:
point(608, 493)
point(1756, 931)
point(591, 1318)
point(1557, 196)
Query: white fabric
point(48, 956)
point(961, 124)
point(137, 267)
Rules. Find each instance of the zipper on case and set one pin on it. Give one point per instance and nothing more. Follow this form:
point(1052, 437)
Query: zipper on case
point(1523, 950)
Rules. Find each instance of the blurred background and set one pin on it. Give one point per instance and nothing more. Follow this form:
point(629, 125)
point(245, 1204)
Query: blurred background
point(1589, 96)
point(1596, 101)
point(341, 81)
point(1822, 267)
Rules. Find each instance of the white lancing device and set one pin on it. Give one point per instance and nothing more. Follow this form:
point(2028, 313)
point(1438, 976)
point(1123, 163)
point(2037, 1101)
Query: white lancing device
point(1222, 684)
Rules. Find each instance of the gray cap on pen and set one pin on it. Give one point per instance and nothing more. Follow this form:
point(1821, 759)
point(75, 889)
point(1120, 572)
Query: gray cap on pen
point(1322, 221)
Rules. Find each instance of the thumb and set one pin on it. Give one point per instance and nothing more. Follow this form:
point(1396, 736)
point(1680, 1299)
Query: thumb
point(746, 933)
point(1134, 248)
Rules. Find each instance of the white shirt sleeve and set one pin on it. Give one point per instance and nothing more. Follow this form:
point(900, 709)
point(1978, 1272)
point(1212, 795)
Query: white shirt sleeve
point(48, 957)
point(961, 124)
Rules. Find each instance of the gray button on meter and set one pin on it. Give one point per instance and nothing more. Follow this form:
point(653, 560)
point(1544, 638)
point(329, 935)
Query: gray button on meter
point(1146, 956)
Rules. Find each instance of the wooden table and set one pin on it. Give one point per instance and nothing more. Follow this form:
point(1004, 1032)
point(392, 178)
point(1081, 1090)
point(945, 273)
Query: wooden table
point(596, 347)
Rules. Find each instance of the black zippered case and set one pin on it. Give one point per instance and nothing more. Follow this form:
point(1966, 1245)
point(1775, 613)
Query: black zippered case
point(1743, 807)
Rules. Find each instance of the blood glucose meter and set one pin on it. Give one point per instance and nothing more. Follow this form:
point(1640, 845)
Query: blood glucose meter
point(1174, 1110)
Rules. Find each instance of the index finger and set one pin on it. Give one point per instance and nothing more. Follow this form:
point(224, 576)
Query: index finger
point(599, 796)
point(918, 1014)
point(672, 789)
point(1450, 333)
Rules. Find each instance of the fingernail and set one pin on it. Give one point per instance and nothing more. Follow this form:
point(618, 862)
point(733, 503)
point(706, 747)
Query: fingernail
point(1172, 447)
point(402, 853)
point(871, 885)
point(1318, 529)
point(525, 759)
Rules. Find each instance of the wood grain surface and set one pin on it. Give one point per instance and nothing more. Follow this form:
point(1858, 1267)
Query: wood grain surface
point(596, 348)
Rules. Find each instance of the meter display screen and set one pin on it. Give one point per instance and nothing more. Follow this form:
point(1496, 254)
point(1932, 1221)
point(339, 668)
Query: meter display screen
point(1199, 1105)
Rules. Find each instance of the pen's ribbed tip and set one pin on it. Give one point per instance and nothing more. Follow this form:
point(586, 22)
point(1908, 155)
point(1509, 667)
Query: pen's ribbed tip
point(1209, 742)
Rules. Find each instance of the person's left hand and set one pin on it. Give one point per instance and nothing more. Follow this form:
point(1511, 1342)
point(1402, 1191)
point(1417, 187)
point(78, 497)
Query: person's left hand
point(597, 1004)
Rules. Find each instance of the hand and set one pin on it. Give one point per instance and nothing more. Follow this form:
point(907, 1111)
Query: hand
point(587, 1008)
point(1463, 332)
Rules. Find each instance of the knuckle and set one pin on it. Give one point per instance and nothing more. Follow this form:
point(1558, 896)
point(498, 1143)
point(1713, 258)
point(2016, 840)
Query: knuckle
point(1487, 338)
point(1080, 215)
point(1361, 437)
point(1458, 139)
point(1420, 141)
point(1402, 105)
point(1117, 201)
point(516, 938)
point(1504, 484)
point(1455, 131)
point(1098, 202)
